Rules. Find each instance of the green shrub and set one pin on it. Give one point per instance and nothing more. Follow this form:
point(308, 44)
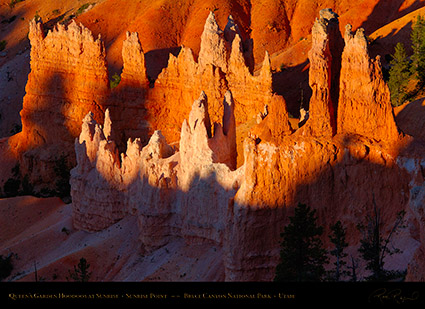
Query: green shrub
point(14, 2)
point(83, 8)
point(3, 45)
point(116, 79)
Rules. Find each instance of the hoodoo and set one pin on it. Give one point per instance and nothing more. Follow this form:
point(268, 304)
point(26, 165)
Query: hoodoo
point(162, 154)
point(364, 102)
point(68, 79)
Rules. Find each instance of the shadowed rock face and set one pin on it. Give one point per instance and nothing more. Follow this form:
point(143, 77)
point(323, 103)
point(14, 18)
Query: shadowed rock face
point(164, 188)
point(347, 157)
point(196, 194)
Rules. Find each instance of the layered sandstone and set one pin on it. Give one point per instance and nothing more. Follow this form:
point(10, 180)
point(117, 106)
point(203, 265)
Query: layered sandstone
point(68, 79)
point(325, 64)
point(127, 101)
point(364, 106)
point(221, 66)
point(182, 181)
point(164, 188)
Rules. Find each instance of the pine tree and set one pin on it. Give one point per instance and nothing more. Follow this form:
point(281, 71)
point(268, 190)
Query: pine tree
point(399, 75)
point(374, 246)
point(338, 239)
point(302, 253)
point(81, 273)
point(417, 38)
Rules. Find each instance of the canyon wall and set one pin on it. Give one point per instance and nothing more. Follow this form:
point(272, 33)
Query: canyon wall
point(169, 191)
point(221, 66)
point(341, 170)
point(68, 79)
point(166, 151)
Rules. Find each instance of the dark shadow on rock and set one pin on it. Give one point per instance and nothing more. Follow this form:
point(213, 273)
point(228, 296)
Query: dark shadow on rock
point(411, 119)
point(344, 188)
point(156, 60)
point(292, 84)
point(384, 46)
point(387, 11)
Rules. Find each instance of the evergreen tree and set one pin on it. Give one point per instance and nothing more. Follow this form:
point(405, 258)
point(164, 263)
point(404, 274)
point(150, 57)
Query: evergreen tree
point(374, 246)
point(417, 37)
point(302, 253)
point(399, 75)
point(338, 239)
point(81, 273)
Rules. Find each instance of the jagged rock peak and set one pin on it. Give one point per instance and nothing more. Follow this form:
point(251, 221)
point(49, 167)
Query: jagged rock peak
point(35, 29)
point(320, 26)
point(359, 38)
point(132, 41)
point(213, 45)
point(236, 59)
point(199, 114)
point(158, 146)
point(364, 96)
point(76, 31)
point(266, 69)
point(132, 37)
point(107, 125)
point(324, 57)
point(211, 24)
point(328, 14)
point(88, 127)
point(134, 66)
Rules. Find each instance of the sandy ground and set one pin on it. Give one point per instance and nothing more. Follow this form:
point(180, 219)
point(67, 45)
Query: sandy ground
point(39, 235)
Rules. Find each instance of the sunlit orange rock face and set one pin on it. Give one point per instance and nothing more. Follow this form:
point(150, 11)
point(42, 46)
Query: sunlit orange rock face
point(363, 103)
point(68, 79)
point(220, 67)
point(166, 152)
point(196, 192)
point(325, 66)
